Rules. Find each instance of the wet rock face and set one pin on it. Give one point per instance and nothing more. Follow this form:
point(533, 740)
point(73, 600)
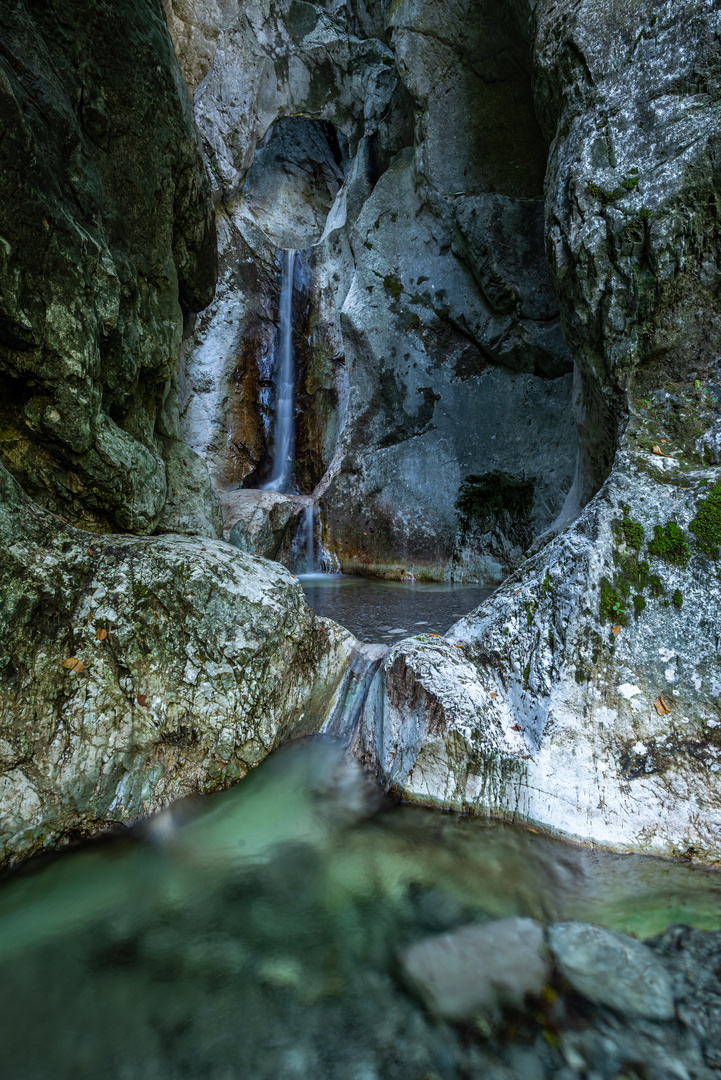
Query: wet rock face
point(106, 235)
point(137, 671)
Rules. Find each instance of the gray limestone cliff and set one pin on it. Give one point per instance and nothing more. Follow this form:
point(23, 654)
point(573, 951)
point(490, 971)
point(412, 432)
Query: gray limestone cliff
point(585, 695)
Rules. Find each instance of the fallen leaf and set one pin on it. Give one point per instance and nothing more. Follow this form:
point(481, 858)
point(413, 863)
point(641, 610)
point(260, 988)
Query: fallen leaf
point(89, 551)
point(80, 666)
point(661, 707)
point(62, 518)
point(659, 452)
point(516, 727)
point(663, 441)
point(516, 592)
point(617, 629)
point(459, 646)
point(101, 634)
point(70, 662)
point(492, 694)
point(434, 635)
point(142, 700)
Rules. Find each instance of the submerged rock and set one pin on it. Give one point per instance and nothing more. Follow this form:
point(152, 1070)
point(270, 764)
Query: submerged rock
point(613, 970)
point(475, 969)
point(137, 671)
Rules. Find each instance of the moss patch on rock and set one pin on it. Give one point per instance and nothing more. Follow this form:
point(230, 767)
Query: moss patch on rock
point(706, 526)
point(670, 544)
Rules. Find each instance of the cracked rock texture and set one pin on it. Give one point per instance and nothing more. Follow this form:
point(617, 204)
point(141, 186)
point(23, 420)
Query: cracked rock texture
point(586, 694)
point(106, 239)
point(564, 700)
point(433, 377)
point(197, 660)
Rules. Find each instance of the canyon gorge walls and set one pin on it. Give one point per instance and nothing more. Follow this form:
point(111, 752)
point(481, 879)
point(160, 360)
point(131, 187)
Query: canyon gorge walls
point(507, 339)
point(435, 418)
point(585, 694)
point(108, 239)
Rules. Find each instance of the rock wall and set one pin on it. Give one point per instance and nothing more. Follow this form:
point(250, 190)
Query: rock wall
point(137, 671)
point(585, 696)
point(106, 238)
point(433, 372)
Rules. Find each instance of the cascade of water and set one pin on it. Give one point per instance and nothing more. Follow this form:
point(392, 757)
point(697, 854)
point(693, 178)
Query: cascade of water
point(283, 448)
point(309, 516)
point(346, 708)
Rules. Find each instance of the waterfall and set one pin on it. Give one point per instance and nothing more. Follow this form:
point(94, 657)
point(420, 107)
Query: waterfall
point(283, 437)
point(347, 706)
point(309, 516)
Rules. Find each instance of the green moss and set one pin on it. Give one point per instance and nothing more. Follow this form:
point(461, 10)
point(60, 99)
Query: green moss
point(630, 183)
point(546, 586)
point(526, 674)
point(612, 607)
point(669, 544)
point(393, 285)
point(634, 228)
point(654, 584)
point(633, 533)
point(677, 598)
point(638, 605)
point(606, 198)
point(706, 526)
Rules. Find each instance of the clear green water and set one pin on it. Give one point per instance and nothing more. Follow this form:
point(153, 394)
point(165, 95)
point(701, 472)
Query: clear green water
point(255, 934)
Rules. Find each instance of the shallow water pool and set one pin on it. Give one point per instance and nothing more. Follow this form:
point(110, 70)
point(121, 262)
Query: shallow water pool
point(255, 934)
point(387, 611)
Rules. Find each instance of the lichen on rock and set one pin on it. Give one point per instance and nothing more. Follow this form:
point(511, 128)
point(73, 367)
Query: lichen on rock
point(137, 671)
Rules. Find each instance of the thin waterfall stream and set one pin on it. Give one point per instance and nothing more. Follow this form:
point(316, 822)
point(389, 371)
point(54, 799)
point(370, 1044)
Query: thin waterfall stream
point(282, 474)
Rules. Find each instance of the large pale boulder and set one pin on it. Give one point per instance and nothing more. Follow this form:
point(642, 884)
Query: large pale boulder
point(583, 696)
point(137, 671)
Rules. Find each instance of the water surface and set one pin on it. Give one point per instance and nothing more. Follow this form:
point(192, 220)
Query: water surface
point(386, 611)
point(253, 935)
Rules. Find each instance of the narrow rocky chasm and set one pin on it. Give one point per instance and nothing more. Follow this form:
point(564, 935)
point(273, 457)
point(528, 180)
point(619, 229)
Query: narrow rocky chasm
point(504, 336)
point(434, 401)
point(422, 293)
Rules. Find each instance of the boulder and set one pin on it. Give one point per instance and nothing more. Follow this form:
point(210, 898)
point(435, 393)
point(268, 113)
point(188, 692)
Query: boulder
point(256, 521)
point(583, 695)
point(137, 671)
point(612, 970)
point(475, 969)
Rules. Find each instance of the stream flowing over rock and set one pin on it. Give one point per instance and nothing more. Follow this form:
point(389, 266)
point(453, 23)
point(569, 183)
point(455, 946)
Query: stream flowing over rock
point(504, 297)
